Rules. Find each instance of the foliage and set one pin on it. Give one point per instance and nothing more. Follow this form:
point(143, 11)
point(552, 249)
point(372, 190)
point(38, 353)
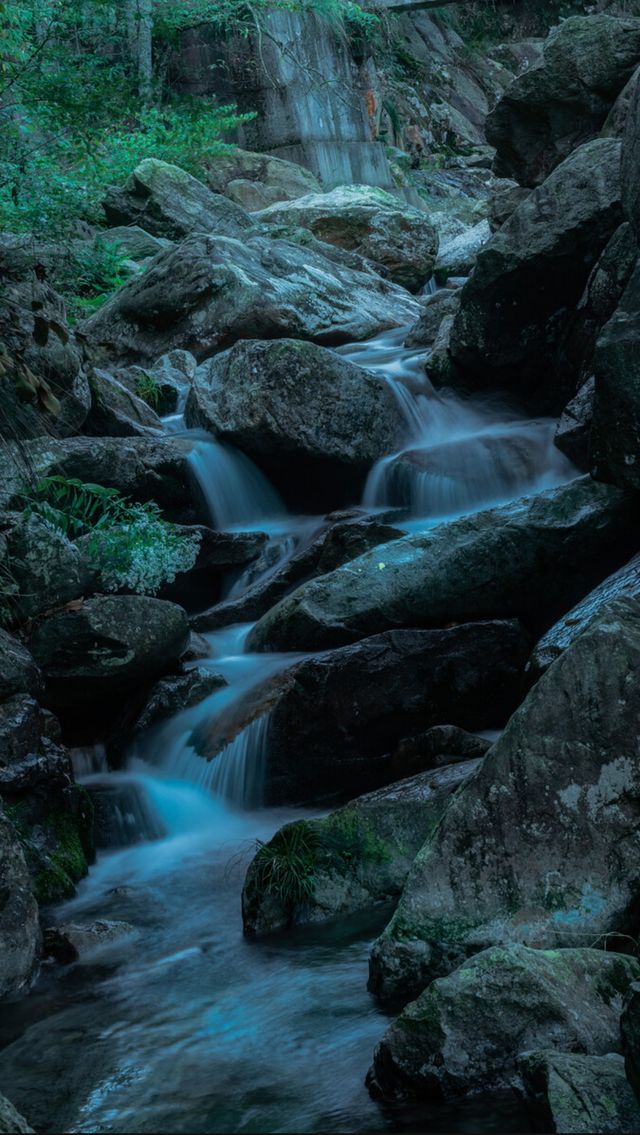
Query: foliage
point(148, 389)
point(87, 274)
point(130, 545)
point(284, 867)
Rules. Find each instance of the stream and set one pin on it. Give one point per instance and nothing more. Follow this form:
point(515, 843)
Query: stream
point(185, 1026)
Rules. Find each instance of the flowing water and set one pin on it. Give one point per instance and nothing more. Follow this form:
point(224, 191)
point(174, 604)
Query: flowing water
point(182, 1025)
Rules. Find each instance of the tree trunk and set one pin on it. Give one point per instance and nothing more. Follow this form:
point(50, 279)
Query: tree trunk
point(139, 25)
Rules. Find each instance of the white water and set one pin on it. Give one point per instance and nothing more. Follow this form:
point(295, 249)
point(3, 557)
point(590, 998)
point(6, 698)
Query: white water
point(188, 1027)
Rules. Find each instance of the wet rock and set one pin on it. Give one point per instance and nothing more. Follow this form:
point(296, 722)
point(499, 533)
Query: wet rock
point(457, 257)
point(22, 724)
point(631, 156)
point(563, 100)
point(352, 859)
point(135, 242)
point(530, 559)
point(505, 198)
point(123, 816)
point(572, 1093)
point(516, 305)
point(19, 928)
point(224, 551)
point(48, 568)
point(446, 1044)
point(258, 180)
point(297, 408)
point(364, 219)
point(424, 333)
point(616, 411)
point(111, 642)
point(573, 435)
point(116, 411)
point(179, 691)
point(379, 690)
point(537, 848)
point(209, 292)
point(10, 1120)
point(167, 201)
point(439, 746)
point(19, 673)
point(624, 583)
point(74, 941)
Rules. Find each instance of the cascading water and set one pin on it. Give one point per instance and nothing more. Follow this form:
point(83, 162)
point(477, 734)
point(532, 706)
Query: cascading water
point(189, 1027)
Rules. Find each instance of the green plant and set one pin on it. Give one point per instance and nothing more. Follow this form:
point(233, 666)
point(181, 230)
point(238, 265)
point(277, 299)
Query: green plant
point(148, 389)
point(285, 866)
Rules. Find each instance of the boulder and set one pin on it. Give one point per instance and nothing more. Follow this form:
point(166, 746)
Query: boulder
point(379, 690)
point(298, 410)
point(11, 1121)
point(624, 583)
point(48, 568)
point(630, 1029)
point(465, 1031)
point(424, 333)
point(116, 411)
point(383, 228)
point(564, 100)
point(210, 291)
point(78, 940)
point(572, 1093)
point(99, 650)
point(573, 434)
point(19, 673)
point(525, 560)
point(22, 724)
point(352, 860)
point(517, 303)
point(615, 438)
point(135, 242)
point(539, 847)
point(631, 156)
point(456, 257)
point(167, 201)
point(177, 692)
point(19, 928)
point(439, 746)
point(505, 198)
point(258, 180)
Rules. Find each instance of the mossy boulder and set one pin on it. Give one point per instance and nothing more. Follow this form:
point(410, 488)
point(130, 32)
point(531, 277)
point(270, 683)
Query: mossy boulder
point(572, 1093)
point(116, 411)
point(465, 1032)
point(258, 180)
point(349, 861)
point(48, 568)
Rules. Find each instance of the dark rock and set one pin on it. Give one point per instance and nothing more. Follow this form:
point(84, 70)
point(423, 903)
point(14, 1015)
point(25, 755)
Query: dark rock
point(563, 100)
point(18, 671)
point(116, 412)
point(135, 242)
point(572, 1093)
point(439, 746)
point(524, 853)
point(123, 815)
point(573, 435)
point(446, 1044)
point(168, 202)
point(531, 560)
point(21, 727)
point(19, 928)
point(630, 1029)
point(48, 568)
point(354, 858)
point(298, 408)
point(631, 156)
point(98, 651)
point(209, 292)
point(457, 256)
point(624, 583)
point(170, 695)
point(11, 1121)
point(425, 332)
point(616, 411)
point(226, 550)
point(505, 198)
point(379, 690)
point(515, 307)
point(74, 941)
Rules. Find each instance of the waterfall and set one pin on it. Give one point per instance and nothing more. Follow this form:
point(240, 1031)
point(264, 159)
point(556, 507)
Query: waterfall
point(235, 491)
point(235, 774)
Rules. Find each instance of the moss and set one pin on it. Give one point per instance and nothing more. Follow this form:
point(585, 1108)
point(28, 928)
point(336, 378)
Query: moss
point(68, 837)
point(348, 840)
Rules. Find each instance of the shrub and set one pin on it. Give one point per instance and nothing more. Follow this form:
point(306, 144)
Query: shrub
point(285, 866)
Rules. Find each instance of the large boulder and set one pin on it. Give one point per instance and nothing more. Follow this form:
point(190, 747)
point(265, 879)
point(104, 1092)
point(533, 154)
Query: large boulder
point(517, 302)
point(573, 432)
point(258, 180)
point(167, 201)
point(210, 291)
point(351, 860)
point(565, 98)
point(631, 156)
point(19, 673)
point(465, 1032)
point(117, 411)
point(298, 410)
point(524, 560)
point(571, 1093)
point(19, 928)
point(539, 847)
point(615, 438)
point(47, 567)
point(98, 650)
point(379, 226)
point(380, 691)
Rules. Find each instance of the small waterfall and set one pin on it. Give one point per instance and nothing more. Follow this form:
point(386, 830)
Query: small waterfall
point(235, 491)
point(236, 774)
point(123, 815)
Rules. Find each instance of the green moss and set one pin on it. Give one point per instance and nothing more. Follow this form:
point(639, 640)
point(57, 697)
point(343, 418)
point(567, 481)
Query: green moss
point(348, 839)
point(68, 838)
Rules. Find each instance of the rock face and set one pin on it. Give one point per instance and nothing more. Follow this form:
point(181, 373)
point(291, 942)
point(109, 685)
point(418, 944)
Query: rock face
point(630, 1028)
point(353, 859)
point(513, 308)
point(11, 1121)
point(382, 228)
point(563, 100)
point(117, 411)
point(170, 695)
point(624, 583)
point(258, 180)
point(380, 691)
point(631, 156)
point(456, 257)
point(168, 202)
point(522, 559)
point(48, 568)
point(616, 412)
point(97, 651)
point(573, 435)
point(210, 291)
point(19, 929)
point(18, 671)
point(524, 854)
point(447, 1043)
point(572, 1093)
point(298, 408)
